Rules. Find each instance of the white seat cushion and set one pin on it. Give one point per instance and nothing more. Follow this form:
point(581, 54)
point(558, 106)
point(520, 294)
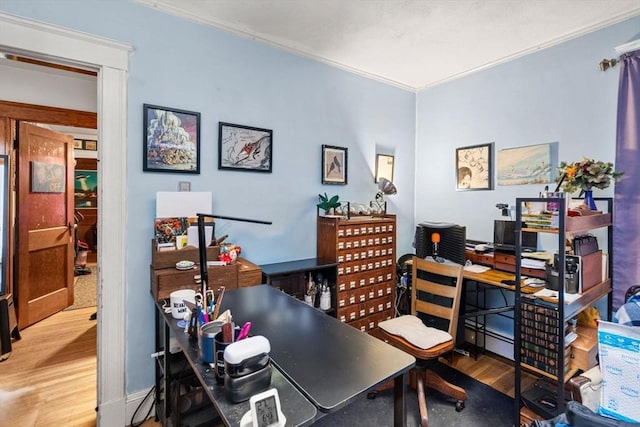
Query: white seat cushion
point(413, 330)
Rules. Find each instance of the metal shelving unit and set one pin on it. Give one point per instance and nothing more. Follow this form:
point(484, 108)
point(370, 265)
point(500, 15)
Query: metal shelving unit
point(548, 342)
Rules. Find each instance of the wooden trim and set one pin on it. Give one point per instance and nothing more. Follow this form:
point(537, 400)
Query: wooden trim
point(51, 65)
point(49, 115)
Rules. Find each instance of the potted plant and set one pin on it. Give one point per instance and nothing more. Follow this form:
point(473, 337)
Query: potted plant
point(585, 175)
point(328, 204)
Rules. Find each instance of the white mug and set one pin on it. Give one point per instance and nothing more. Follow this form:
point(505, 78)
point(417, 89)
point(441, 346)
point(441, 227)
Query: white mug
point(177, 298)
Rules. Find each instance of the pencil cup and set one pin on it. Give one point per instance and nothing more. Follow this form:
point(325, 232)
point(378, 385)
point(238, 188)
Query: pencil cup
point(218, 351)
point(206, 335)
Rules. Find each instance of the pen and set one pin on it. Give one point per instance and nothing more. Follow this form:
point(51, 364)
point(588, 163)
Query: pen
point(244, 332)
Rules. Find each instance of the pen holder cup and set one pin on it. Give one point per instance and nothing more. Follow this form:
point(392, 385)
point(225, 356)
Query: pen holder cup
point(206, 335)
point(219, 346)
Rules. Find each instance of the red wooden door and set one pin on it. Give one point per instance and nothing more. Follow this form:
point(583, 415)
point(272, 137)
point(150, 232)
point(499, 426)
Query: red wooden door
point(45, 223)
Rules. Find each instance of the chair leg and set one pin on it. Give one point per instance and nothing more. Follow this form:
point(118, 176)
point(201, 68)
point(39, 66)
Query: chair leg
point(436, 382)
point(422, 401)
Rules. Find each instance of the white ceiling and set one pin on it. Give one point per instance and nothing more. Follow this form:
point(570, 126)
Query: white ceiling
point(413, 44)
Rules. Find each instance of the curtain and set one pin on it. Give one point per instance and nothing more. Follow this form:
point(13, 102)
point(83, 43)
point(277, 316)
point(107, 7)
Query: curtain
point(626, 210)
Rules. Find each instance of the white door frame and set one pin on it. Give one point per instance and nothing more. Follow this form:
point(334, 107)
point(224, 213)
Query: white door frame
point(110, 59)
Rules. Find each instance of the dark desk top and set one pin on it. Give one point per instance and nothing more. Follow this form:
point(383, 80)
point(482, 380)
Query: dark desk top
point(310, 264)
point(330, 362)
point(296, 408)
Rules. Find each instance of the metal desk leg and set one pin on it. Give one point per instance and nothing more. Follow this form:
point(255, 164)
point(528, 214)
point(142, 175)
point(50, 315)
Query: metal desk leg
point(399, 401)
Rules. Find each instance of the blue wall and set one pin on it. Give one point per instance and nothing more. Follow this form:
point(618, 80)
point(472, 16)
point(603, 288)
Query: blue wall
point(555, 95)
point(181, 64)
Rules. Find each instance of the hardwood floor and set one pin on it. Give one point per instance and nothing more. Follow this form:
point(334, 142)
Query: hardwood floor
point(56, 361)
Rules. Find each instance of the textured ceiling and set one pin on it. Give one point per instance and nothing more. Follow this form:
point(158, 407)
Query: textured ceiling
point(409, 43)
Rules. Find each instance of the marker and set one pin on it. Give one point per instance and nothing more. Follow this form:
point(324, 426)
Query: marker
point(244, 332)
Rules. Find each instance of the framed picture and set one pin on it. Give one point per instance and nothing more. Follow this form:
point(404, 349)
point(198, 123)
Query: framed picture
point(532, 164)
point(77, 144)
point(47, 177)
point(90, 145)
point(384, 167)
point(474, 167)
point(334, 165)
point(171, 140)
point(244, 148)
point(86, 189)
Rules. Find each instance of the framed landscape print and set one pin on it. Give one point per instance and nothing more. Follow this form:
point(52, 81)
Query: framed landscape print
point(474, 167)
point(334, 165)
point(532, 164)
point(171, 140)
point(244, 148)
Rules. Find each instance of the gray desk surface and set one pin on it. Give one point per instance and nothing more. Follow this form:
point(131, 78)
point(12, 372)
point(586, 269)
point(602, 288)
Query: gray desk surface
point(330, 362)
point(296, 408)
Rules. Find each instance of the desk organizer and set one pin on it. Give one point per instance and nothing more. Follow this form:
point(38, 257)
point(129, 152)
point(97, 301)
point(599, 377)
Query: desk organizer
point(247, 368)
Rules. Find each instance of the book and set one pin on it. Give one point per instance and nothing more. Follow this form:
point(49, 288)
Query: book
point(166, 230)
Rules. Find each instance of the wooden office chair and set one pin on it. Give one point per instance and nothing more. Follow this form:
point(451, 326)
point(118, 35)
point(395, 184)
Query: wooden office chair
point(435, 297)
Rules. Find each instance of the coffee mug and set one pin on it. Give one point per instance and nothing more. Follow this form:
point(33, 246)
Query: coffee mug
point(177, 298)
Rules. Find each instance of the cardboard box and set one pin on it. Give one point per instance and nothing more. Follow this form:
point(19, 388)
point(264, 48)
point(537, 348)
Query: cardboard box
point(591, 270)
point(585, 348)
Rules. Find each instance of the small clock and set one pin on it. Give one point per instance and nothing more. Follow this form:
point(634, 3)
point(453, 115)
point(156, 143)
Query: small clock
point(265, 411)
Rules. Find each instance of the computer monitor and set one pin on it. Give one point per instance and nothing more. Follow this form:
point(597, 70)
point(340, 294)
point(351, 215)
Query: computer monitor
point(451, 245)
point(504, 237)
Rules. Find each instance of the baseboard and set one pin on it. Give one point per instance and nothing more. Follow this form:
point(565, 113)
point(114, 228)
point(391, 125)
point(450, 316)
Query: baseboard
point(136, 401)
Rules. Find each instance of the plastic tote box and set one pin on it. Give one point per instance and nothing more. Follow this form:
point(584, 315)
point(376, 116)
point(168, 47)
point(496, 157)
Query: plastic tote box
point(619, 348)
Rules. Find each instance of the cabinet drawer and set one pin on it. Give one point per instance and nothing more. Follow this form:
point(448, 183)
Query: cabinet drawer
point(167, 280)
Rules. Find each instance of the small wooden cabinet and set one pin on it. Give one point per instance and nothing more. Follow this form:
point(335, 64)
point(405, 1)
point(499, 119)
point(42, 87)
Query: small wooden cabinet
point(240, 274)
point(364, 250)
point(291, 276)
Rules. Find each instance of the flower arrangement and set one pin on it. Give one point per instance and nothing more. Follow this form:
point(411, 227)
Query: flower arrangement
point(586, 174)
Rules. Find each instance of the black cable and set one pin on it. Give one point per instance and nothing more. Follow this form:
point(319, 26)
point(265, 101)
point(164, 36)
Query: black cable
point(149, 393)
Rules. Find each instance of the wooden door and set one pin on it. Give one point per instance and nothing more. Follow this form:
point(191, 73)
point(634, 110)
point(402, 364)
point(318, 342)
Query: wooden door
point(45, 223)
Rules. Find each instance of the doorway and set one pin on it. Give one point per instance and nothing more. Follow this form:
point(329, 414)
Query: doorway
point(110, 59)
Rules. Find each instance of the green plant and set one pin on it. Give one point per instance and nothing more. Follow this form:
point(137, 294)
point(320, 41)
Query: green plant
point(327, 203)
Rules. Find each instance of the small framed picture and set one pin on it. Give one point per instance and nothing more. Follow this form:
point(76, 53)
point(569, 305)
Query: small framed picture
point(171, 140)
point(244, 148)
point(90, 145)
point(78, 144)
point(334, 165)
point(474, 167)
point(384, 167)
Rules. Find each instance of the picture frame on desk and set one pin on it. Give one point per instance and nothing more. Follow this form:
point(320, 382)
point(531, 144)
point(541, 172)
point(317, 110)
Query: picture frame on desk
point(474, 167)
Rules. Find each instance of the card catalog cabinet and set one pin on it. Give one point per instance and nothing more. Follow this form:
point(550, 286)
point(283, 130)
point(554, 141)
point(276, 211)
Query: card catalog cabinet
point(364, 248)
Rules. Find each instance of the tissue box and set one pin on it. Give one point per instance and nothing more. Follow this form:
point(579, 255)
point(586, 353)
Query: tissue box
point(619, 348)
point(247, 368)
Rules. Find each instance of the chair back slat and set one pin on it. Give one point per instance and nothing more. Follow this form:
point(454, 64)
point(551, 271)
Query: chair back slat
point(435, 291)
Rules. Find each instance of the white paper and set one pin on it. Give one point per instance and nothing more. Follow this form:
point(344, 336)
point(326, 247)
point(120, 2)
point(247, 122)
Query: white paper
point(192, 235)
point(568, 298)
point(171, 204)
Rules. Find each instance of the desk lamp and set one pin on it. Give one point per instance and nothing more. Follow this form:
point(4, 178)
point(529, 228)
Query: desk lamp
point(202, 246)
point(384, 187)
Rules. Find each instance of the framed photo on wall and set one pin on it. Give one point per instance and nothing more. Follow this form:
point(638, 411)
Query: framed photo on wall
point(171, 140)
point(384, 167)
point(474, 167)
point(334, 165)
point(244, 148)
point(532, 164)
point(86, 189)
